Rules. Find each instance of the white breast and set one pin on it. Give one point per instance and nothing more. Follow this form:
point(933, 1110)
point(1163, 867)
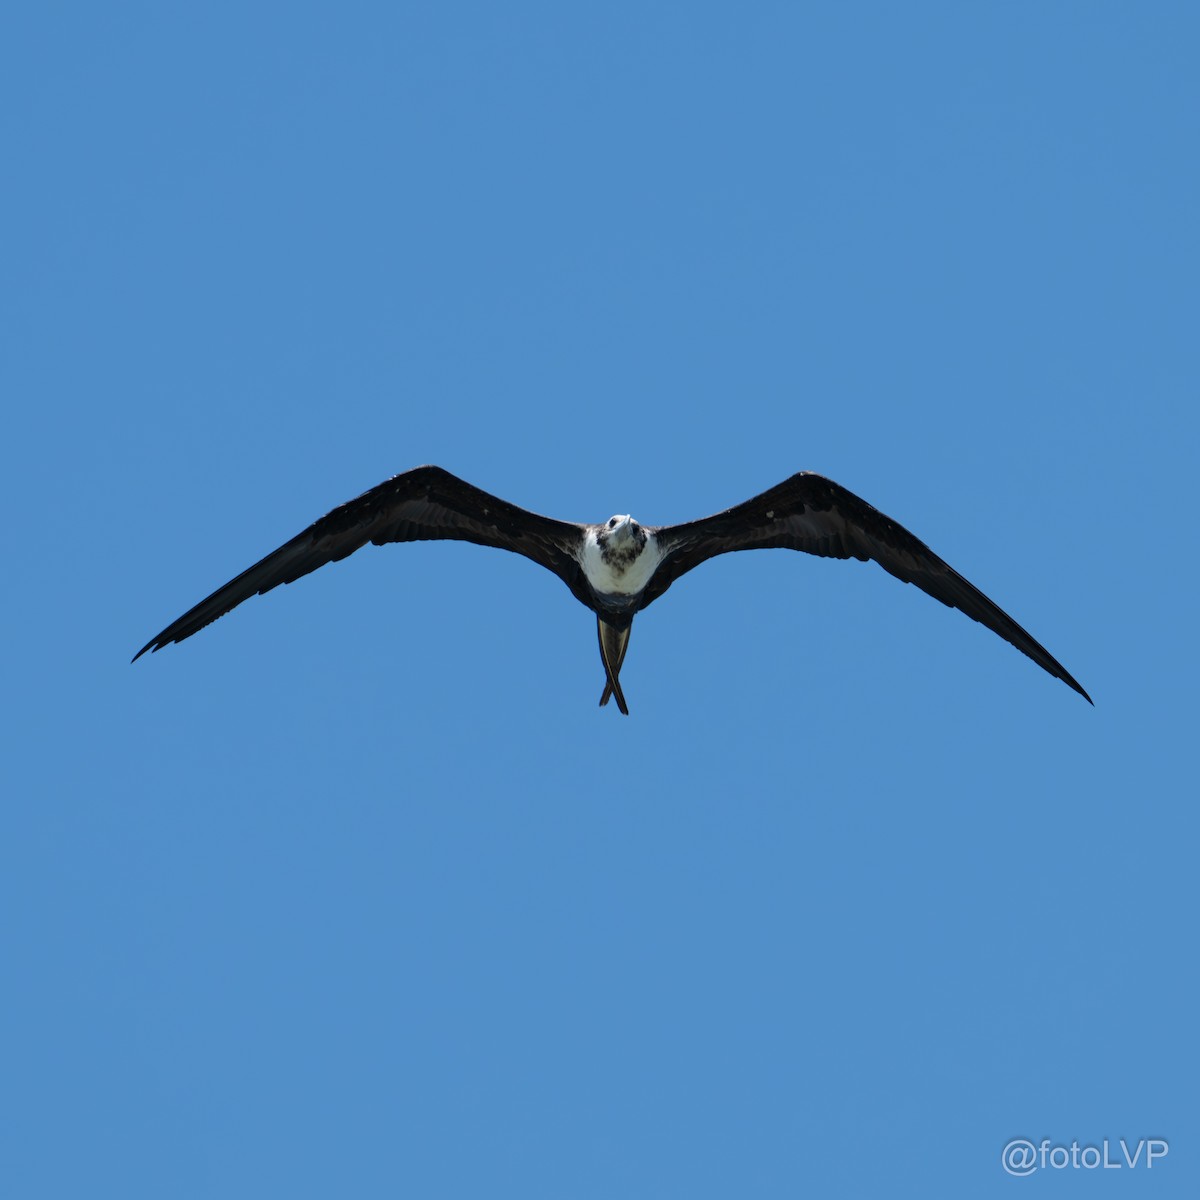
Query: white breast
point(604, 577)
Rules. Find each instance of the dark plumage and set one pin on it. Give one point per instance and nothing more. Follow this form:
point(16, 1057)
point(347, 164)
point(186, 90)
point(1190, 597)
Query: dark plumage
point(620, 567)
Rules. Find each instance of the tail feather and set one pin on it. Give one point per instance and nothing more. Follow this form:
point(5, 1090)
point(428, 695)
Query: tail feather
point(613, 644)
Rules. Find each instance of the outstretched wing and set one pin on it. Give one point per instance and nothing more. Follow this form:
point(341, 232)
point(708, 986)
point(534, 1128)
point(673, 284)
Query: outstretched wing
point(419, 505)
point(811, 513)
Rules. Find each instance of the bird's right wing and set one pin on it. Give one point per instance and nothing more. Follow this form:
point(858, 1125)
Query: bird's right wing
point(419, 505)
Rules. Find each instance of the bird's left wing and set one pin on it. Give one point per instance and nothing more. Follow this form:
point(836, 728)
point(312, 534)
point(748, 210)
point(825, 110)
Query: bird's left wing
point(811, 513)
point(418, 505)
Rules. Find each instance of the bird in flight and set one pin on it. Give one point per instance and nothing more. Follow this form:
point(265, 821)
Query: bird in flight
point(620, 567)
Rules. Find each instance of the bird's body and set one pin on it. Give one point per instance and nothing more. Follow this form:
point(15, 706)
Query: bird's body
point(620, 567)
point(619, 557)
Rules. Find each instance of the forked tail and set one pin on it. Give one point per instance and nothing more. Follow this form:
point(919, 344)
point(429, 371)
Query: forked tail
point(613, 644)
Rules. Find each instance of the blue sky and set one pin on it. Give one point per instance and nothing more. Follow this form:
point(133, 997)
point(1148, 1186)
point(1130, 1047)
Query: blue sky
point(358, 892)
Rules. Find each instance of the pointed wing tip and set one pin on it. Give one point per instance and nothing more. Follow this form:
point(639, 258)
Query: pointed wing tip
point(154, 645)
point(1055, 668)
point(1051, 667)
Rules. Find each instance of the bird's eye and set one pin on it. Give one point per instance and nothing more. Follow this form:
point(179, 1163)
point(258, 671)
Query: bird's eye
point(612, 522)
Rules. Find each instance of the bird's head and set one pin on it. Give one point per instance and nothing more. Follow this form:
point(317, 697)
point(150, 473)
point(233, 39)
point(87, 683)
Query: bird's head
point(621, 533)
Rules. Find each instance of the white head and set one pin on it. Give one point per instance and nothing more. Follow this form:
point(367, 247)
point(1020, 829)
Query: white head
point(620, 529)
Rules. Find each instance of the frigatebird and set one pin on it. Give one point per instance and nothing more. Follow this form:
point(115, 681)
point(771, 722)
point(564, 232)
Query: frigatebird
point(620, 567)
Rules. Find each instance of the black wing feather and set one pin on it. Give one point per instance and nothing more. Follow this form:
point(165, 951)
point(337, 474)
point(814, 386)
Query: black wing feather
point(418, 505)
point(811, 513)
